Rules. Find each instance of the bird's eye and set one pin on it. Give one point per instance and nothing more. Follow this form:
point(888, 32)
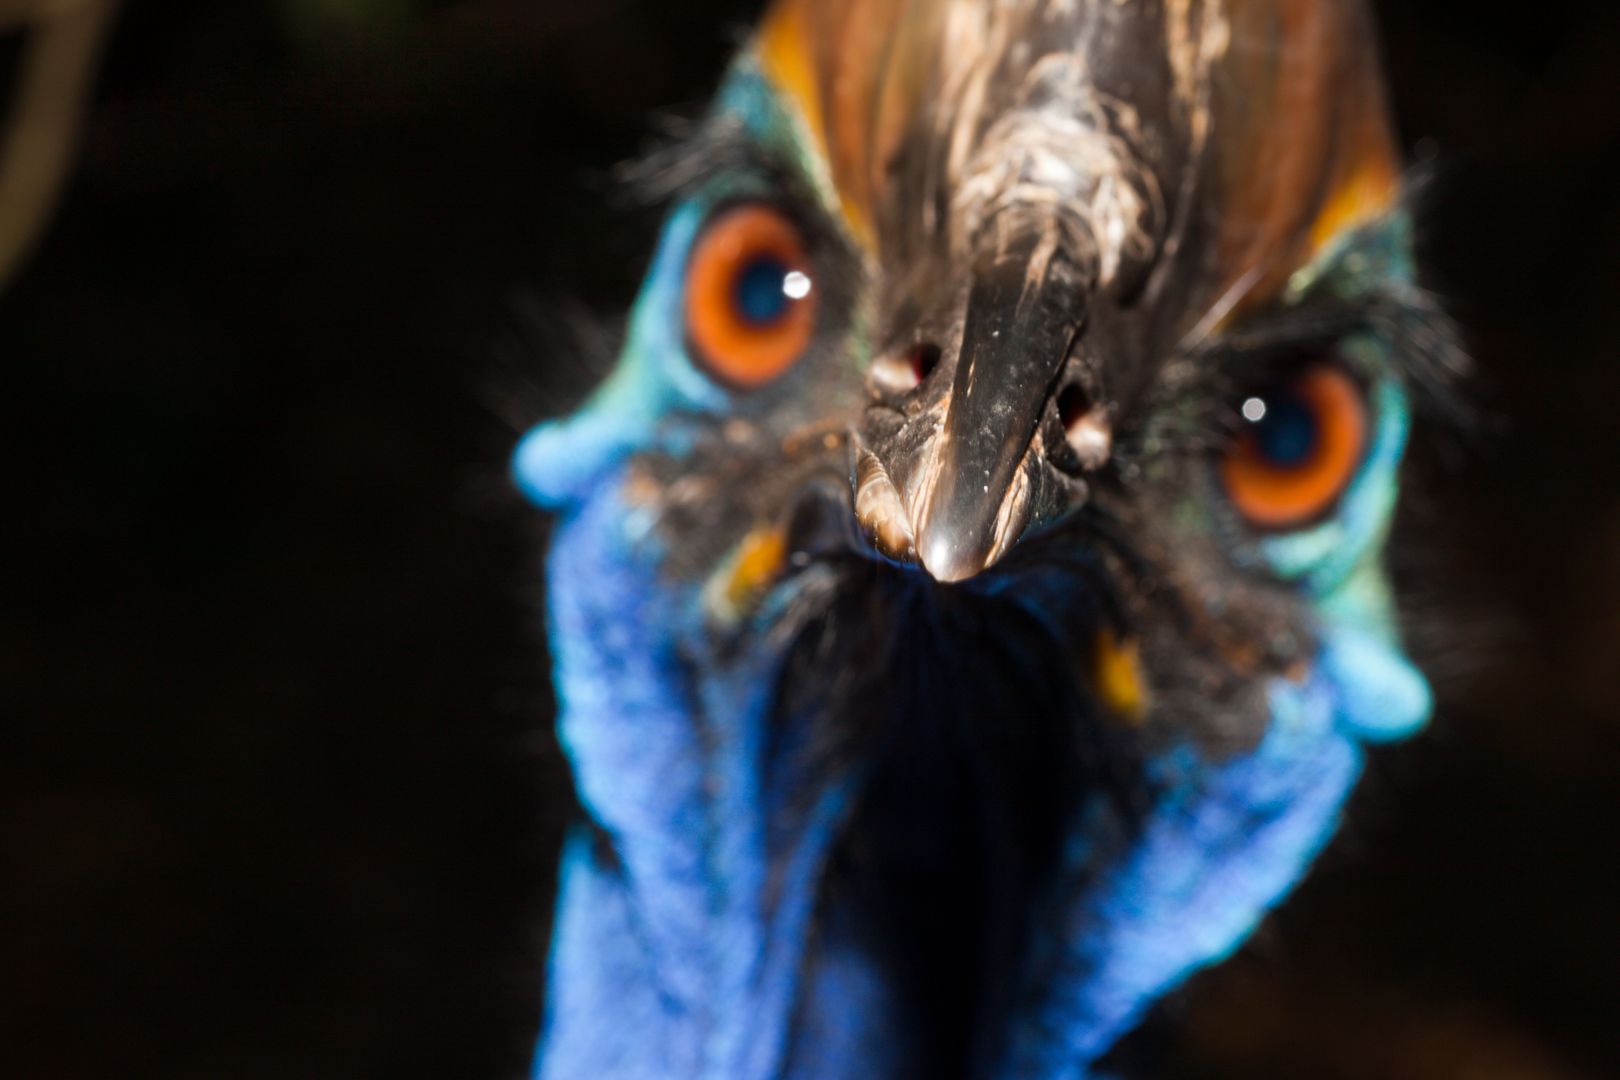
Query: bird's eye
point(1299, 448)
point(750, 299)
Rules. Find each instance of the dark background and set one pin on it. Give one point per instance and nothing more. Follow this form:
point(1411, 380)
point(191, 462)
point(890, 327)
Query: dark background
point(278, 796)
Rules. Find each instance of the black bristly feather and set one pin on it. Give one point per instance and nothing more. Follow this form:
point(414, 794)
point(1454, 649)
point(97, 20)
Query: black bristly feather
point(968, 714)
point(556, 334)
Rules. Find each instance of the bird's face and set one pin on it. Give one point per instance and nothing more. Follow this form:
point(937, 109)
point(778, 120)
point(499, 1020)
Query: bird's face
point(1073, 337)
point(975, 270)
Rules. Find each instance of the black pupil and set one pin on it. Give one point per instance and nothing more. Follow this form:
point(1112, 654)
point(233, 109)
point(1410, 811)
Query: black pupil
point(1287, 435)
point(761, 290)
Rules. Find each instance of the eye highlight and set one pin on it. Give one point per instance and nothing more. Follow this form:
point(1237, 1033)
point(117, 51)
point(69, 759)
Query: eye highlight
point(750, 298)
point(1300, 447)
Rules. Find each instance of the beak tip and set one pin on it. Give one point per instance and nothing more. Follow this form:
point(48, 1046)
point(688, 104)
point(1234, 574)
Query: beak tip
point(945, 560)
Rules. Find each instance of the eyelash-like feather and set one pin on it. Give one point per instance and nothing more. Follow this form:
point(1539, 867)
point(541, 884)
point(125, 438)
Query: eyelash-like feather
point(687, 155)
point(1200, 390)
point(1429, 353)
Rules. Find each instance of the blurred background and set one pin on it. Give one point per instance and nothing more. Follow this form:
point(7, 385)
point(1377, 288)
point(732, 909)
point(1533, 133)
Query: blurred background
point(278, 795)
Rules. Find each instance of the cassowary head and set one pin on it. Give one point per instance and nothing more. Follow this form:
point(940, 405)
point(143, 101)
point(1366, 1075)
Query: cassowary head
point(967, 598)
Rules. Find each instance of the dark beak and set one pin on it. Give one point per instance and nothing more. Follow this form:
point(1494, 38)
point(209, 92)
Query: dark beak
point(967, 488)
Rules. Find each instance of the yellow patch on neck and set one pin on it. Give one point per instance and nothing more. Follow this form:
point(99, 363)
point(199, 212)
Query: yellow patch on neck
point(1117, 669)
point(753, 566)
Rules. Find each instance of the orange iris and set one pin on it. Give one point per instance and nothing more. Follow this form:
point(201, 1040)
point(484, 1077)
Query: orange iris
point(750, 305)
point(1299, 450)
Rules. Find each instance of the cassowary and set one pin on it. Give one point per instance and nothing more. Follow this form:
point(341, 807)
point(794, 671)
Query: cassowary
point(966, 597)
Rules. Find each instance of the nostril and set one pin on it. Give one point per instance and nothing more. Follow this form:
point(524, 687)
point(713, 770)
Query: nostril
point(902, 372)
point(1086, 428)
point(1073, 405)
point(924, 358)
